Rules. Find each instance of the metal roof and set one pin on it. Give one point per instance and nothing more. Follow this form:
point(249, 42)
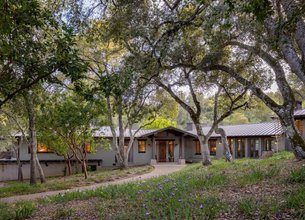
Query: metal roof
point(299, 113)
point(248, 130)
point(243, 130)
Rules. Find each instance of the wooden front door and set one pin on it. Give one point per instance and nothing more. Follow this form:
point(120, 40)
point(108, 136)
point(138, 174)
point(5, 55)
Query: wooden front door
point(162, 151)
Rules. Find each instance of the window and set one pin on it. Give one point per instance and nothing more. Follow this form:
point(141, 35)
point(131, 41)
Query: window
point(197, 148)
point(42, 148)
point(212, 146)
point(141, 146)
point(87, 147)
point(299, 125)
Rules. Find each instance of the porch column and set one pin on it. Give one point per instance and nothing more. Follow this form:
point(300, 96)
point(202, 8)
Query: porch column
point(153, 160)
point(260, 148)
point(234, 148)
point(247, 147)
point(181, 151)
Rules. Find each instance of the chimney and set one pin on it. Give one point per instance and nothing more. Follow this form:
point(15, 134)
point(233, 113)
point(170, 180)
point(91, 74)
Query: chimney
point(298, 105)
point(189, 126)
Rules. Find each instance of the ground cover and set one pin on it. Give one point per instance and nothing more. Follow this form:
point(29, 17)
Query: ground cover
point(272, 188)
point(60, 183)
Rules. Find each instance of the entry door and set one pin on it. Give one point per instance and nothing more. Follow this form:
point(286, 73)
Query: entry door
point(162, 151)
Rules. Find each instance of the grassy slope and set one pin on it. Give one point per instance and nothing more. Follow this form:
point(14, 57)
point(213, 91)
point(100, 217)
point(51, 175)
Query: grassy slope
point(247, 188)
point(59, 183)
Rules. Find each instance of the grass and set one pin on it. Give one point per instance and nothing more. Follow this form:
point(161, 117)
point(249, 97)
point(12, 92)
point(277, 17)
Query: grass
point(297, 175)
point(60, 183)
point(18, 211)
point(63, 213)
point(222, 190)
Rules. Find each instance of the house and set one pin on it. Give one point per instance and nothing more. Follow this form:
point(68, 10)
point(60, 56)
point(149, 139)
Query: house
point(164, 145)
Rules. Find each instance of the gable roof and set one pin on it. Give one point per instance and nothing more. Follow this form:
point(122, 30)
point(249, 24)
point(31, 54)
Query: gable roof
point(105, 131)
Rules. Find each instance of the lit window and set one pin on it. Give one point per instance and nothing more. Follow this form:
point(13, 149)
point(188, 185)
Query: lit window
point(212, 145)
point(299, 125)
point(42, 148)
point(87, 148)
point(142, 146)
point(197, 148)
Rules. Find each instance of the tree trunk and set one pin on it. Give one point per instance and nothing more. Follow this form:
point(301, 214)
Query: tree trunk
point(205, 152)
point(69, 167)
point(85, 169)
point(20, 174)
point(33, 139)
point(32, 134)
point(295, 138)
point(203, 141)
point(225, 144)
point(40, 171)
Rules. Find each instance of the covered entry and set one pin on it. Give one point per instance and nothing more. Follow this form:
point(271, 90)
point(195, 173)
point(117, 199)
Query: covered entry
point(166, 150)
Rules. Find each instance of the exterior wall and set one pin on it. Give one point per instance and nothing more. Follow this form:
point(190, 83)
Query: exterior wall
point(142, 158)
point(107, 156)
point(10, 171)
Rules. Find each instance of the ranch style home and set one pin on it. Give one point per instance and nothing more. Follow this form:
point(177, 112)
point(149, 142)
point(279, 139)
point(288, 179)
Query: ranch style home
point(162, 145)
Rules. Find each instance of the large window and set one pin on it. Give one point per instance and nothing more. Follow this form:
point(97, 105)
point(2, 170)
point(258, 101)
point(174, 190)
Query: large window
point(42, 148)
point(254, 143)
point(141, 146)
point(197, 148)
point(212, 146)
point(240, 148)
point(300, 126)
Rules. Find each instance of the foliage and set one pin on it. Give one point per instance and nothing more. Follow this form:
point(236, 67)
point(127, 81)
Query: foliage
point(236, 118)
point(33, 46)
point(159, 122)
point(66, 118)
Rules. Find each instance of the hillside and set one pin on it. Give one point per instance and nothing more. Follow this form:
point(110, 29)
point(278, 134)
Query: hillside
point(244, 189)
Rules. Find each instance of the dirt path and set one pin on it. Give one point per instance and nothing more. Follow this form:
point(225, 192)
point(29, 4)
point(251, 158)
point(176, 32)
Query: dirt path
point(160, 170)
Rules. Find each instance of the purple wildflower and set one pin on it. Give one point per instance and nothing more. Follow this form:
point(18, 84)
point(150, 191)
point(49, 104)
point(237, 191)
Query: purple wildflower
point(201, 206)
point(147, 214)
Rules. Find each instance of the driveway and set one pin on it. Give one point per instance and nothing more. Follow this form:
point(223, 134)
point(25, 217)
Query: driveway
point(160, 170)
